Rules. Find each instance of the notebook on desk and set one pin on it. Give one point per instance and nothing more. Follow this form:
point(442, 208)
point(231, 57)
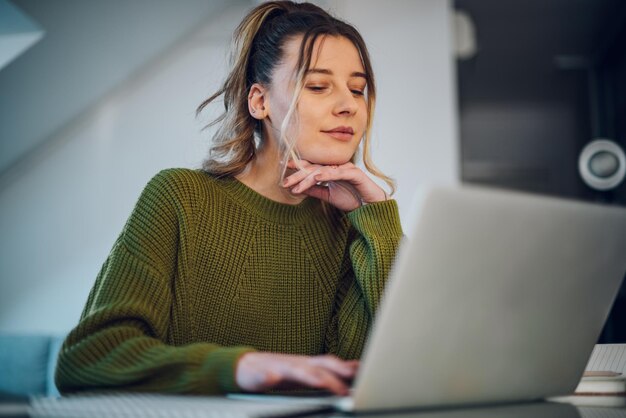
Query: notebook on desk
point(496, 296)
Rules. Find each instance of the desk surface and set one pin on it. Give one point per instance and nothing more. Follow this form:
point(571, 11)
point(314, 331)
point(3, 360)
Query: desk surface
point(155, 406)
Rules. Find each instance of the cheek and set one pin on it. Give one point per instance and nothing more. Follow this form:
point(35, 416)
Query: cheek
point(317, 148)
point(307, 124)
point(364, 117)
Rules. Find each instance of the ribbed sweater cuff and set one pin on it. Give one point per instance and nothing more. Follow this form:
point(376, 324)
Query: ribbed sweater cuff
point(223, 363)
point(378, 219)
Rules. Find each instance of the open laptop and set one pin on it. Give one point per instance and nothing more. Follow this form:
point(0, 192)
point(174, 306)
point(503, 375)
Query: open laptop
point(495, 296)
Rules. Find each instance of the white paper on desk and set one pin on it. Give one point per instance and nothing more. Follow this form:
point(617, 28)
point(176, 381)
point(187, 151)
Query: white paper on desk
point(608, 357)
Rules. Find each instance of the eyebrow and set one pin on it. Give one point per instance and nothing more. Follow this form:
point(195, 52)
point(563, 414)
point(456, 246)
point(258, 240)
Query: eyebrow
point(328, 72)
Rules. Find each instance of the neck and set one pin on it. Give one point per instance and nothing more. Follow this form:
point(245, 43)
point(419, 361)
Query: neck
point(263, 175)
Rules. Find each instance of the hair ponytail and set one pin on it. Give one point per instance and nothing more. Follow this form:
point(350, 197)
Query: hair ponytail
point(233, 144)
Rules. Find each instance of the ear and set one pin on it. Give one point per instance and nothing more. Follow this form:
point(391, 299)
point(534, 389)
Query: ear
point(257, 101)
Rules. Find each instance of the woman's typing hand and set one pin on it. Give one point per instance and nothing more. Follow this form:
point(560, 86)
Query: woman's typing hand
point(260, 372)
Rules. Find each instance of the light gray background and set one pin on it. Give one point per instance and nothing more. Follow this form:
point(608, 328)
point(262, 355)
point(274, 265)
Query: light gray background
point(106, 99)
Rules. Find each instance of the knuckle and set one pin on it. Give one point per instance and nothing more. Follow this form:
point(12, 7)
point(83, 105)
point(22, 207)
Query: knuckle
point(272, 378)
point(313, 377)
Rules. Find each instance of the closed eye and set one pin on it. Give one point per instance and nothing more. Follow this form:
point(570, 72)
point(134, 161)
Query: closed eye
point(318, 89)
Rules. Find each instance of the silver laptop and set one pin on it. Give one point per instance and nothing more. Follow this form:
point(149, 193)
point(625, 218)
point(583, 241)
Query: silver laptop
point(495, 296)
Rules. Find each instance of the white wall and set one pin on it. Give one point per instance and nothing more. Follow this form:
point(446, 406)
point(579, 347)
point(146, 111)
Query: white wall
point(60, 218)
point(88, 48)
point(415, 128)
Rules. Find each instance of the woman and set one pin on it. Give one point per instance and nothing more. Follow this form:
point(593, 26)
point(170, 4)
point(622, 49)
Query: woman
point(263, 270)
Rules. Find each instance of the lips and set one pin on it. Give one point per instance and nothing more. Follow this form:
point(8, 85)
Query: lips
point(343, 133)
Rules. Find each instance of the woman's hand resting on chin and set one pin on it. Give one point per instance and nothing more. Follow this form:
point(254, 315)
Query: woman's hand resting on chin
point(344, 186)
point(260, 372)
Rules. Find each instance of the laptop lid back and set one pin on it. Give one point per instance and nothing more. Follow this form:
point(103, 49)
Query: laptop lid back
point(495, 296)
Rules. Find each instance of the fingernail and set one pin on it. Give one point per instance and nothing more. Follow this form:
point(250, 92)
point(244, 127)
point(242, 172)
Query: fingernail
point(285, 182)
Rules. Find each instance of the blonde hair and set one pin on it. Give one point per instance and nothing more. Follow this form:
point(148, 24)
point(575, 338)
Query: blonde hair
point(258, 42)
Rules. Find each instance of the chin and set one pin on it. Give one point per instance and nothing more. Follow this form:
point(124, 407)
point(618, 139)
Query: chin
point(328, 155)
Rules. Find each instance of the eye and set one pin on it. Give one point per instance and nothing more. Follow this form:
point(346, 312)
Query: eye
point(357, 89)
point(316, 88)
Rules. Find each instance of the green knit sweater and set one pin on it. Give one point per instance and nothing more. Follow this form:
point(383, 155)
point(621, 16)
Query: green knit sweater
point(206, 269)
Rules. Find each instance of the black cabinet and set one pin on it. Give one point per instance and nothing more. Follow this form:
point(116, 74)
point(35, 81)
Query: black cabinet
point(546, 78)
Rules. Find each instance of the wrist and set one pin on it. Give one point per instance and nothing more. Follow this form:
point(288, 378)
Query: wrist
point(382, 198)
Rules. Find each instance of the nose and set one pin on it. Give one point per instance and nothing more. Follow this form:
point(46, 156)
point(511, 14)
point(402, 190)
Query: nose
point(346, 104)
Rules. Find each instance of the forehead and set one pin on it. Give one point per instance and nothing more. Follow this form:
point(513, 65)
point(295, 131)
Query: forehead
point(334, 53)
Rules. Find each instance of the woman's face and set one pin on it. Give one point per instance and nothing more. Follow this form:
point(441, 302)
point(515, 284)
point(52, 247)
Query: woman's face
point(332, 110)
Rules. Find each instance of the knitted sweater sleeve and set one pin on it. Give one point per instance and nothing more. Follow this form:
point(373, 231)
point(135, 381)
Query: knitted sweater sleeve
point(372, 250)
point(120, 341)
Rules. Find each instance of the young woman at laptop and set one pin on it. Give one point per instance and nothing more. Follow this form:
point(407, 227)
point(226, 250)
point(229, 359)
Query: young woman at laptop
point(264, 269)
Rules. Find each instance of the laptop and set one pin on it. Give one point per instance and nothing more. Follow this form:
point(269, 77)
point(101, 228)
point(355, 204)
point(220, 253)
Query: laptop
point(495, 297)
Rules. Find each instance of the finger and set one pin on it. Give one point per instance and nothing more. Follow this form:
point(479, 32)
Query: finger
point(297, 177)
point(345, 369)
point(313, 177)
point(271, 379)
point(319, 192)
point(299, 174)
point(307, 182)
point(350, 174)
point(319, 378)
point(366, 189)
point(354, 363)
